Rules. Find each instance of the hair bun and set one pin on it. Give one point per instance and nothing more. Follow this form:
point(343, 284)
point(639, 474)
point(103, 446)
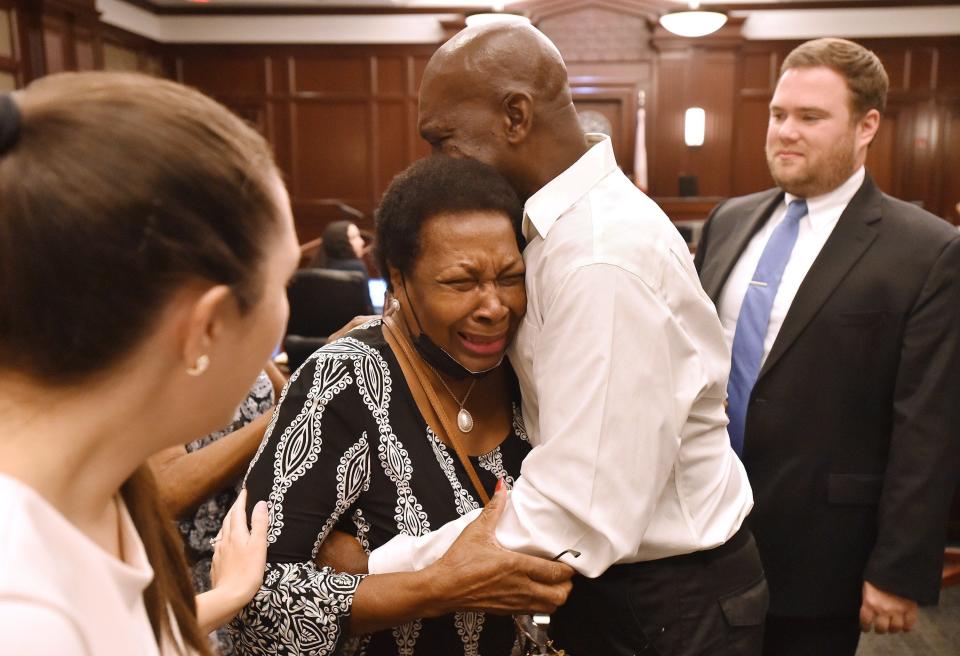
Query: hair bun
point(9, 122)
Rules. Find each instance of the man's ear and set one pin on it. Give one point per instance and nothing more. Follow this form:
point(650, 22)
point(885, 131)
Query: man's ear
point(517, 109)
point(867, 127)
point(205, 323)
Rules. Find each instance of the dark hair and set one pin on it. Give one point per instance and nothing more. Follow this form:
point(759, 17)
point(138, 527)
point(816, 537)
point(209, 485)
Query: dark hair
point(171, 591)
point(861, 68)
point(119, 189)
point(336, 245)
point(435, 185)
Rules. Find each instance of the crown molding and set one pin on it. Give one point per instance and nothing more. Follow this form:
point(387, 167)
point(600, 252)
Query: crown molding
point(538, 8)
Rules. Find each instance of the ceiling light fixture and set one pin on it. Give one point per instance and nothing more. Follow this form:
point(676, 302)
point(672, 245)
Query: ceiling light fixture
point(693, 22)
point(485, 19)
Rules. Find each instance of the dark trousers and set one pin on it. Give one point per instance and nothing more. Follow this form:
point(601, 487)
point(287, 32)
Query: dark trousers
point(711, 602)
point(820, 636)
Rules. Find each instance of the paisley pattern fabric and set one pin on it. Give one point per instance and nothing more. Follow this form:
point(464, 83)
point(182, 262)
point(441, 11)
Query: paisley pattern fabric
point(205, 523)
point(349, 450)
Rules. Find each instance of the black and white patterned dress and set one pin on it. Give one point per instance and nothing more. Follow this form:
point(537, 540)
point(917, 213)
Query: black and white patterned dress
point(349, 449)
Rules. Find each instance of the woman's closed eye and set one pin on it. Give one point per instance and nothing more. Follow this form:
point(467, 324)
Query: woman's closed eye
point(511, 279)
point(460, 284)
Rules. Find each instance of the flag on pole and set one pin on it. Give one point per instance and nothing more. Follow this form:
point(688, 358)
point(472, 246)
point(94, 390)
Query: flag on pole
point(640, 177)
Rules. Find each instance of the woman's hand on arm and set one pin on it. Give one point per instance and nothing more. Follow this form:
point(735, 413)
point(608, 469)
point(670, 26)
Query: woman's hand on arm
point(239, 560)
point(476, 573)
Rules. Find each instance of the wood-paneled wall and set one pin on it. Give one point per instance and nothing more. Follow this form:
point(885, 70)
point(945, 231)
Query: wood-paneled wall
point(51, 36)
point(342, 119)
point(12, 35)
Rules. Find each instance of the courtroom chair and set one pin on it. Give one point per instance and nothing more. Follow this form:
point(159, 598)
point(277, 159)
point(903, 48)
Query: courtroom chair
point(321, 302)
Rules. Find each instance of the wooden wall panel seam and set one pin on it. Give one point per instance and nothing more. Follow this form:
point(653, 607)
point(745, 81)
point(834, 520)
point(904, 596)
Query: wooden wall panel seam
point(374, 141)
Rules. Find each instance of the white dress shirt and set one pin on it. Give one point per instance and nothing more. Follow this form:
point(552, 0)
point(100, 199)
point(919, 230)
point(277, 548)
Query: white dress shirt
point(60, 592)
point(823, 212)
point(622, 369)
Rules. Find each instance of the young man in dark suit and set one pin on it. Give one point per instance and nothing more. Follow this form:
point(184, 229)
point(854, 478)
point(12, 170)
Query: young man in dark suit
point(842, 309)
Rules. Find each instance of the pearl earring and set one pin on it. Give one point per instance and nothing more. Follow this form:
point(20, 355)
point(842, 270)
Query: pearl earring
point(199, 366)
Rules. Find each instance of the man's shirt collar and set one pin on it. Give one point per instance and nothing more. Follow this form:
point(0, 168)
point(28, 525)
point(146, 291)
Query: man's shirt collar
point(557, 196)
point(822, 208)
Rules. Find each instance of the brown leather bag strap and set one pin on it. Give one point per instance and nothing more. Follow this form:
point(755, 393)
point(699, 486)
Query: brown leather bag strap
point(425, 395)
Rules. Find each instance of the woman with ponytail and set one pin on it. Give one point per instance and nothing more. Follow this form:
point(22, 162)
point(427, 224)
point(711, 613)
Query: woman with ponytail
point(145, 243)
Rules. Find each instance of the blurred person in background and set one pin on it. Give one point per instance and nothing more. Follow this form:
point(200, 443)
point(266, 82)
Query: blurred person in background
point(342, 249)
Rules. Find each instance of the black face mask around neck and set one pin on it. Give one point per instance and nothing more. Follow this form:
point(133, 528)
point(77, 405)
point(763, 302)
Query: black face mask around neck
point(436, 357)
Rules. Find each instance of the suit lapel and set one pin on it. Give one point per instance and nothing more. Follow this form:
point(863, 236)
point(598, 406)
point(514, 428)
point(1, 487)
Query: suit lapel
point(851, 237)
point(731, 250)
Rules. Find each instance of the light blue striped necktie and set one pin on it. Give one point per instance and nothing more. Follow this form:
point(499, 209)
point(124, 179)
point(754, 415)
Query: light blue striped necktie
point(755, 317)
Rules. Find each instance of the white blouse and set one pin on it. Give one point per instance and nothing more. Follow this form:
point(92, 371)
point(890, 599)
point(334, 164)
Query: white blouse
point(61, 593)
